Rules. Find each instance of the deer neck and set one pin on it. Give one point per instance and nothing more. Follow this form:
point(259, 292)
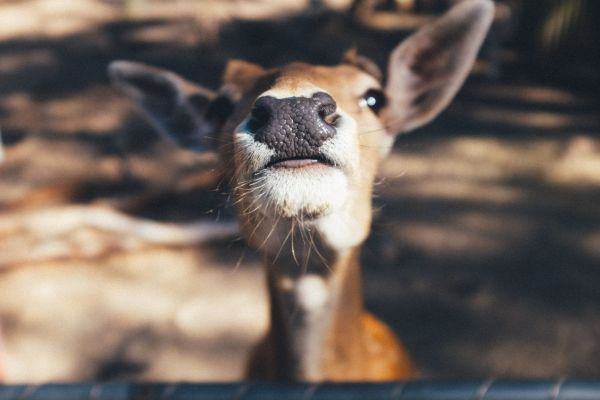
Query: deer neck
point(316, 308)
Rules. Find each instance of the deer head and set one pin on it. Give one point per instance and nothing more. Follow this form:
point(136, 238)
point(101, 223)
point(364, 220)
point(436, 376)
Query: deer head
point(301, 143)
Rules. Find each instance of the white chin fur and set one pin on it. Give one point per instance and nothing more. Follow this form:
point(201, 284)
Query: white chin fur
point(308, 192)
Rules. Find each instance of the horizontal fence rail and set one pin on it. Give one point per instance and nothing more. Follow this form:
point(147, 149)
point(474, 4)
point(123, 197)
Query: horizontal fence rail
point(570, 389)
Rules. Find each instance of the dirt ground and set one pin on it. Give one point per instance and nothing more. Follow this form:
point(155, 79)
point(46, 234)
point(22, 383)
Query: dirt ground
point(485, 250)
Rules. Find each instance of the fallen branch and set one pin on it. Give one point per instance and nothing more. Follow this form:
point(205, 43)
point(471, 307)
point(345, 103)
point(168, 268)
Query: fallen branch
point(90, 231)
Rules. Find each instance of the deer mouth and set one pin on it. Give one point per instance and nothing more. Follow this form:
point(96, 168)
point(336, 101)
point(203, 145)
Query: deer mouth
point(299, 162)
point(307, 186)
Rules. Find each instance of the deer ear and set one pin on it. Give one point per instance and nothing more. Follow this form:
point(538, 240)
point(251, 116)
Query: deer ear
point(185, 113)
point(353, 58)
point(239, 77)
point(426, 70)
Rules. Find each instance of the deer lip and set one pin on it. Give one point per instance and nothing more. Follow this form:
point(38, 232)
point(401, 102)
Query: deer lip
point(298, 162)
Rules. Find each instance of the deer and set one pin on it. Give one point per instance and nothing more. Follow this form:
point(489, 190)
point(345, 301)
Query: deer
point(300, 146)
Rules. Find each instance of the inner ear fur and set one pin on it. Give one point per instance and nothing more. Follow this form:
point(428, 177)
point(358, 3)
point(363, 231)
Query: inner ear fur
point(426, 70)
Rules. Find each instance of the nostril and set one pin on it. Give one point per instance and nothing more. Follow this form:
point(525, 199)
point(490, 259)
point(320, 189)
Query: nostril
point(259, 116)
point(332, 119)
point(326, 107)
point(327, 113)
point(326, 110)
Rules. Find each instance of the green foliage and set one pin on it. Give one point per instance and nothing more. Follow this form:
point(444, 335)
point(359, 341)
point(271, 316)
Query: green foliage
point(563, 21)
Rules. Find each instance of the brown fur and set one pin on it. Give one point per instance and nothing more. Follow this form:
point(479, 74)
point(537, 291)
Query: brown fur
point(359, 347)
point(385, 358)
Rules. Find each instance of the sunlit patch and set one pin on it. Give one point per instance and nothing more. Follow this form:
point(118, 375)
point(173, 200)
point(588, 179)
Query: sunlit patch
point(475, 234)
point(591, 245)
point(526, 119)
point(578, 166)
point(538, 95)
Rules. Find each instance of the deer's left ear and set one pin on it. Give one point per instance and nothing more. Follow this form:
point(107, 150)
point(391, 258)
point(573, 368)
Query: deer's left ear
point(179, 110)
point(426, 70)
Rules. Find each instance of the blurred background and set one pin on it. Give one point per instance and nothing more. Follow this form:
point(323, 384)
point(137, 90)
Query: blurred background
point(485, 251)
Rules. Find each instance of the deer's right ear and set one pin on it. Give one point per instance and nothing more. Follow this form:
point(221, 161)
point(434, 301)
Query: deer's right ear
point(427, 69)
point(185, 113)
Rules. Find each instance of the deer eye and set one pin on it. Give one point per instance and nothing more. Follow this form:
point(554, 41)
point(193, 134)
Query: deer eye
point(374, 99)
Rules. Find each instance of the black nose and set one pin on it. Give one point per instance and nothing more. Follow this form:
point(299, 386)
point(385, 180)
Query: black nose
point(294, 127)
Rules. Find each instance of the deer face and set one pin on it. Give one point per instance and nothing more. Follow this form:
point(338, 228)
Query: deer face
point(301, 143)
point(298, 153)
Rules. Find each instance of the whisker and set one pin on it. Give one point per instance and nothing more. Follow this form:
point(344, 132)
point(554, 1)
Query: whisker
point(293, 249)
point(308, 252)
point(391, 126)
point(282, 246)
point(318, 253)
point(240, 260)
point(372, 147)
point(270, 233)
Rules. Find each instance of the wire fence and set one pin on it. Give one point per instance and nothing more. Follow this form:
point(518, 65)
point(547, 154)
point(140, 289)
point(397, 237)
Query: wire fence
point(565, 389)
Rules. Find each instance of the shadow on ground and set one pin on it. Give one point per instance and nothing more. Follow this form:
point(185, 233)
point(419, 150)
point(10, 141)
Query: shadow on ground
point(484, 254)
